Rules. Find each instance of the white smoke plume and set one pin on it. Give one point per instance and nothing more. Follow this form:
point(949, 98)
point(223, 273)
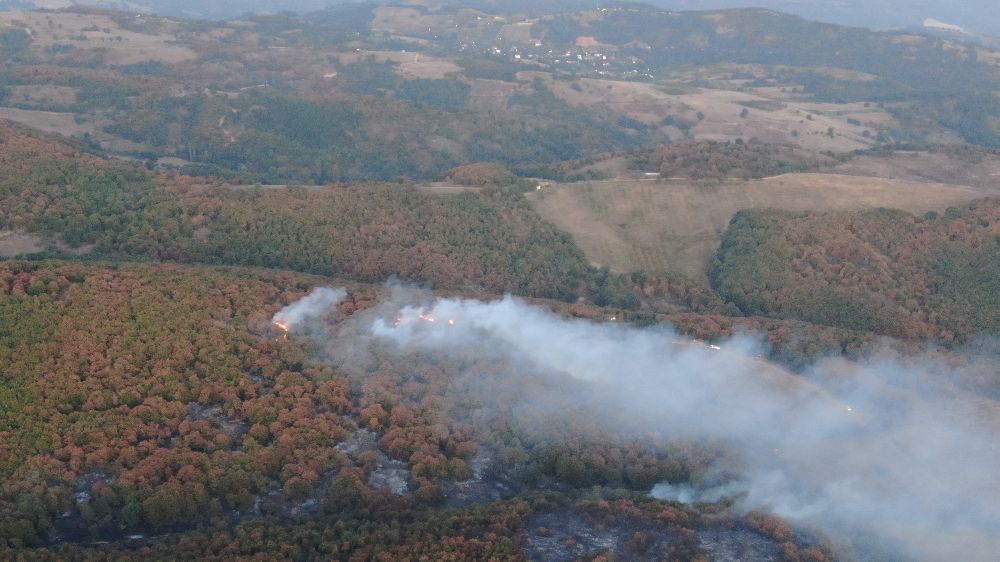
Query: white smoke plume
point(880, 455)
point(689, 494)
point(319, 301)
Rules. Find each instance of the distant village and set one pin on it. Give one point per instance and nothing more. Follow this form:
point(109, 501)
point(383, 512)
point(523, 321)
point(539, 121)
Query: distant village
point(514, 42)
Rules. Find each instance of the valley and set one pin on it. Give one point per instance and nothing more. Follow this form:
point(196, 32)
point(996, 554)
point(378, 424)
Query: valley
point(479, 280)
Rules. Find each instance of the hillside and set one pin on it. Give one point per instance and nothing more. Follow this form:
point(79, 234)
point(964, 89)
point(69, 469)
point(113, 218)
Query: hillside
point(390, 92)
point(369, 232)
point(677, 225)
point(897, 14)
point(162, 402)
point(506, 281)
point(882, 270)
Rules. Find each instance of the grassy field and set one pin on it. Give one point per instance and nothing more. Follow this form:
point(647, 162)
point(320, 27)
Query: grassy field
point(927, 167)
point(46, 121)
point(677, 225)
point(96, 31)
point(14, 243)
point(411, 66)
point(727, 115)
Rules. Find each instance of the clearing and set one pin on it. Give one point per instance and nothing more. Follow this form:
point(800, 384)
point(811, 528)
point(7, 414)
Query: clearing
point(631, 225)
point(725, 115)
point(447, 189)
point(90, 31)
point(47, 121)
point(411, 65)
point(937, 167)
point(14, 243)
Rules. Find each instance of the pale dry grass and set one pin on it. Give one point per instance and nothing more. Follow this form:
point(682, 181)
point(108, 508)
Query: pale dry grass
point(14, 243)
point(119, 46)
point(410, 65)
point(399, 19)
point(48, 94)
point(927, 167)
point(677, 225)
point(47, 121)
point(492, 95)
point(784, 120)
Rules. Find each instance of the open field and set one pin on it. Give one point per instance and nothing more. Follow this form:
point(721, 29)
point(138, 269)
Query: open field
point(411, 66)
point(492, 95)
point(927, 167)
point(401, 20)
point(13, 243)
point(42, 95)
point(446, 189)
point(632, 225)
point(46, 121)
point(96, 31)
point(725, 115)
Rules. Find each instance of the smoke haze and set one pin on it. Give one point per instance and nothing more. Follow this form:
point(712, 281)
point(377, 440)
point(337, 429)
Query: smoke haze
point(879, 455)
point(319, 301)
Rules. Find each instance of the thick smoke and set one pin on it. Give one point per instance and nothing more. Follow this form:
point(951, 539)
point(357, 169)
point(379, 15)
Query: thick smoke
point(879, 454)
point(319, 301)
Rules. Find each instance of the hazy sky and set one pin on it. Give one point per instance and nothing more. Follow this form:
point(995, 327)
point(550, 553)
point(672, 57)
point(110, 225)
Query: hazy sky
point(977, 15)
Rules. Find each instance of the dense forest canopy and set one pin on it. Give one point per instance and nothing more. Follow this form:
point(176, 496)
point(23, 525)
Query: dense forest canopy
point(884, 271)
point(162, 399)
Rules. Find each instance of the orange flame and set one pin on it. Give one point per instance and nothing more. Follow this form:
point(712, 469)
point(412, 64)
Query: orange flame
point(281, 325)
point(400, 320)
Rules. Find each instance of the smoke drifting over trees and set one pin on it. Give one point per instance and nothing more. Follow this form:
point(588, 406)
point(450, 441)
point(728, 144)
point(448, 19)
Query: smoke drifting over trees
point(319, 301)
point(874, 454)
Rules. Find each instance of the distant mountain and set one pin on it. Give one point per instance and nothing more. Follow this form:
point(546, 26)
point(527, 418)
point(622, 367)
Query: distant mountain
point(973, 15)
point(977, 16)
point(208, 9)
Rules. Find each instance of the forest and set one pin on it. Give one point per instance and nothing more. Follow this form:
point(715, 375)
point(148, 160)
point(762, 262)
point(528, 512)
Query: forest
point(160, 399)
point(489, 241)
point(373, 131)
point(881, 271)
point(180, 183)
point(704, 160)
point(930, 277)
